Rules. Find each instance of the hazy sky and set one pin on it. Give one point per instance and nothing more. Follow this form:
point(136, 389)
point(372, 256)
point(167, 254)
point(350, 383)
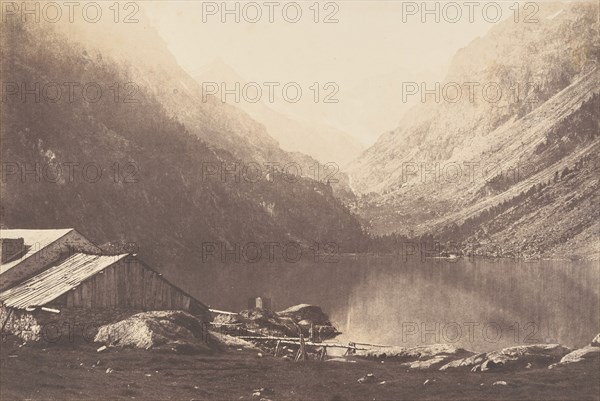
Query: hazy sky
point(373, 42)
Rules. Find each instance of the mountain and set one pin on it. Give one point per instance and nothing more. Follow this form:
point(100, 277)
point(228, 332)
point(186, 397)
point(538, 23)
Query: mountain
point(376, 104)
point(320, 141)
point(481, 170)
point(139, 49)
point(137, 171)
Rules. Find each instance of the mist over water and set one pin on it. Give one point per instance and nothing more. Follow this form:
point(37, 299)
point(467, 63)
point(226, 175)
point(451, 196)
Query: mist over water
point(473, 303)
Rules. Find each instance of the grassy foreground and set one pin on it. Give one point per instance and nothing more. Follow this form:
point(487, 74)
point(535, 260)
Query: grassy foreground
point(80, 373)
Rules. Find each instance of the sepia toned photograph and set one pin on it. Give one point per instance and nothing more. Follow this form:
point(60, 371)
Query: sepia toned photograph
point(307, 200)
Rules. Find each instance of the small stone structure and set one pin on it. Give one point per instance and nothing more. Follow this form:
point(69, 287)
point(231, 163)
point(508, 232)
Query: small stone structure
point(10, 248)
point(260, 303)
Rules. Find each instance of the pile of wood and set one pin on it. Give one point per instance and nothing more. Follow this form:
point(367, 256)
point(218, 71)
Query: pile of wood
point(296, 333)
point(306, 320)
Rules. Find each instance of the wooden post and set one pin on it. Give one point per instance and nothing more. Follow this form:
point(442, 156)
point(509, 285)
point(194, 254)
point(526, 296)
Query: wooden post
point(323, 353)
point(10, 310)
point(302, 350)
point(349, 349)
point(277, 348)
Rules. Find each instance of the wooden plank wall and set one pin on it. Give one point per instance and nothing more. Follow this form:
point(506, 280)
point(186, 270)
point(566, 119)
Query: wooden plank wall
point(128, 284)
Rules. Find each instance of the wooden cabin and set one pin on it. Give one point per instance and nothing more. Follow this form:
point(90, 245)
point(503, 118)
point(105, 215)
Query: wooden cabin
point(85, 291)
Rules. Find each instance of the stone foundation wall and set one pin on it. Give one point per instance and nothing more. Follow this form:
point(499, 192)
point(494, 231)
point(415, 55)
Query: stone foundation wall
point(19, 323)
point(73, 325)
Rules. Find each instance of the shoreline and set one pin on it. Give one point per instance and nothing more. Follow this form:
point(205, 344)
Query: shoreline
point(566, 258)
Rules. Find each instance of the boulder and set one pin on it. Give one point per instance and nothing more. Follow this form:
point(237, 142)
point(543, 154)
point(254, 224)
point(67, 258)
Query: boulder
point(588, 352)
point(175, 330)
point(304, 316)
point(231, 341)
point(422, 357)
point(412, 353)
point(512, 358)
point(469, 361)
point(579, 355)
point(308, 313)
point(226, 318)
point(427, 363)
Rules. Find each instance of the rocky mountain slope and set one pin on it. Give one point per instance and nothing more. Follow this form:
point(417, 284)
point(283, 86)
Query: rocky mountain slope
point(125, 171)
point(517, 171)
point(139, 49)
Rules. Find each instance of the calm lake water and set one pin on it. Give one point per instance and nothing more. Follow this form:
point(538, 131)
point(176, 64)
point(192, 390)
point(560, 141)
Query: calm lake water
point(477, 304)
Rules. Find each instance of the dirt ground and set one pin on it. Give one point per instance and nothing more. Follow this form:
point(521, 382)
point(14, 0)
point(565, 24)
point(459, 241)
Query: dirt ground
point(69, 372)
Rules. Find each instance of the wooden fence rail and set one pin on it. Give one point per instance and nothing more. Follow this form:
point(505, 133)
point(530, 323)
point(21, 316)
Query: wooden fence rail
point(297, 341)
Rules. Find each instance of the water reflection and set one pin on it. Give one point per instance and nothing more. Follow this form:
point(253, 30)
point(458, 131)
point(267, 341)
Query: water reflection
point(477, 304)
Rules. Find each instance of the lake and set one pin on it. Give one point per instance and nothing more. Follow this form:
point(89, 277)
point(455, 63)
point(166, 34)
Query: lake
point(478, 304)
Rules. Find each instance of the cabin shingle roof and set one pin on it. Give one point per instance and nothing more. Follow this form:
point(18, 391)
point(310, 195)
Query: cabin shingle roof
point(56, 281)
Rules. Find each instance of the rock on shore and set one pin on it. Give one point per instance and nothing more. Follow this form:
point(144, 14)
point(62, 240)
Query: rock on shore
point(444, 356)
point(176, 330)
point(591, 351)
point(422, 357)
point(512, 358)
